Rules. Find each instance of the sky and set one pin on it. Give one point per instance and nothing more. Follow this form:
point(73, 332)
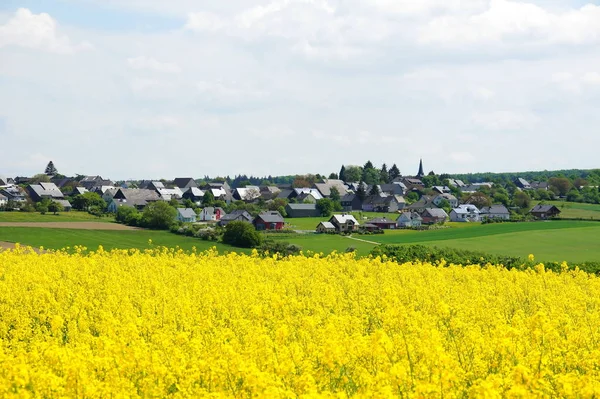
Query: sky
point(161, 89)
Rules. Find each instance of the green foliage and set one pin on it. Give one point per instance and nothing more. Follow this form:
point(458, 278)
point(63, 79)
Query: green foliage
point(55, 207)
point(522, 200)
point(279, 247)
point(84, 201)
point(39, 178)
point(353, 174)
point(335, 195)
point(325, 206)
point(159, 215)
point(208, 199)
point(50, 169)
point(242, 234)
point(394, 172)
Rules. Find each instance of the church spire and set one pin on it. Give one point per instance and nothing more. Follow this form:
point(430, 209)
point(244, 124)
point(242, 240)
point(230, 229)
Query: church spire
point(421, 173)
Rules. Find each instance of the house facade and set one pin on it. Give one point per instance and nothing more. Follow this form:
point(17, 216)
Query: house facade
point(271, 220)
point(544, 212)
point(383, 223)
point(211, 214)
point(351, 202)
point(186, 215)
point(465, 213)
point(344, 223)
point(409, 220)
point(302, 210)
point(495, 212)
point(236, 216)
point(434, 216)
point(325, 227)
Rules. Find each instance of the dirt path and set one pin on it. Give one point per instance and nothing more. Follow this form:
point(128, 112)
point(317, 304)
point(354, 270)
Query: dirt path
point(361, 240)
point(70, 225)
point(10, 245)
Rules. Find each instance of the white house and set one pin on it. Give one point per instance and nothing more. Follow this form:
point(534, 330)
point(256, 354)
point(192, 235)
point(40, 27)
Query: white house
point(408, 220)
point(211, 214)
point(495, 212)
point(3, 200)
point(344, 222)
point(465, 213)
point(186, 215)
point(452, 200)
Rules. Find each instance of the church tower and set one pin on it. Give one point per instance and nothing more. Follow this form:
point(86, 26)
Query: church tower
point(421, 173)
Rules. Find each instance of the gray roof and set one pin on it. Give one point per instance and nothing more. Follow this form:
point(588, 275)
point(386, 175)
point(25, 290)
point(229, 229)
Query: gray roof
point(186, 213)
point(543, 208)
point(3, 198)
point(496, 209)
point(327, 225)
point(271, 217)
point(303, 207)
point(66, 204)
point(436, 212)
point(381, 221)
point(236, 214)
point(184, 182)
point(137, 196)
point(46, 190)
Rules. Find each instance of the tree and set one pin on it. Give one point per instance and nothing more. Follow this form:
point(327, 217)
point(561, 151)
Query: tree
point(208, 199)
point(242, 234)
point(335, 195)
point(560, 185)
point(325, 207)
point(42, 207)
point(333, 176)
point(371, 176)
point(479, 199)
point(55, 207)
point(384, 175)
point(522, 200)
point(159, 215)
point(368, 165)
point(353, 174)
point(85, 201)
point(342, 175)
point(502, 199)
point(374, 190)
point(50, 169)
point(360, 192)
point(394, 172)
point(40, 178)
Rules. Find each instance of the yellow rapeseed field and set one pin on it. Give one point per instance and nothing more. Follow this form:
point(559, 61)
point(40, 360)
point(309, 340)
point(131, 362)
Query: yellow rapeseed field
point(164, 323)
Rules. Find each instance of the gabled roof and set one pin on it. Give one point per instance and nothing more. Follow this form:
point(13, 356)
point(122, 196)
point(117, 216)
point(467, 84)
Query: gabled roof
point(236, 214)
point(137, 196)
point(466, 209)
point(271, 217)
point(381, 221)
point(409, 216)
point(312, 191)
point(194, 191)
point(186, 213)
point(542, 208)
point(434, 213)
point(341, 219)
point(496, 209)
point(327, 225)
point(304, 207)
point(184, 182)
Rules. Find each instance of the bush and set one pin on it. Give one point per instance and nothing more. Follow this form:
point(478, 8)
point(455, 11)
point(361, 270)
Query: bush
point(123, 213)
point(280, 247)
point(242, 234)
point(159, 215)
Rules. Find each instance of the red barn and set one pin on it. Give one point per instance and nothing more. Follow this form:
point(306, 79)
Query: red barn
point(271, 220)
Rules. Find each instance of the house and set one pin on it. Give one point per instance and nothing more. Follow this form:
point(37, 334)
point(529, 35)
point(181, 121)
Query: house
point(269, 192)
point(90, 182)
point(4, 181)
point(392, 189)
point(452, 200)
point(211, 214)
point(186, 215)
point(109, 194)
point(344, 223)
point(423, 203)
point(539, 185)
point(271, 220)
point(544, 212)
point(184, 182)
point(408, 220)
point(167, 194)
point(465, 213)
point(495, 212)
point(3, 200)
point(38, 192)
point(14, 193)
point(351, 202)
point(302, 210)
point(456, 183)
point(412, 183)
point(470, 189)
point(433, 216)
point(383, 223)
point(193, 194)
point(312, 191)
point(370, 227)
point(134, 197)
point(220, 190)
point(286, 194)
point(522, 184)
point(380, 203)
point(325, 187)
point(65, 204)
point(247, 194)
point(401, 202)
point(306, 198)
point(325, 227)
point(79, 191)
point(442, 189)
point(235, 216)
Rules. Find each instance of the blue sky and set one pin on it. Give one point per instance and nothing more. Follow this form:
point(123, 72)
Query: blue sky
point(155, 89)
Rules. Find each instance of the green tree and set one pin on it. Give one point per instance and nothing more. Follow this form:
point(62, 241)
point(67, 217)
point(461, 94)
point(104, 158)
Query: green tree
point(394, 172)
point(208, 199)
point(335, 195)
point(84, 201)
point(560, 185)
point(242, 234)
point(55, 207)
point(159, 215)
point(371, 176)
point(353, 174)
point(333, 176)
point(384, 175)
point(40, 178)
point(342, 174)
point(360, 192)
point(522, 200)
point(325, 207)
point(50, 169)
point(374, 190)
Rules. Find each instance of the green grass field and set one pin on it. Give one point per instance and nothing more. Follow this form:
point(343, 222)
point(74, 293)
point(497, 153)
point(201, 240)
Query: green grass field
point(550, 241)
point(575, 210)
point(73, 216)
point(311, 223)
point(62, 238)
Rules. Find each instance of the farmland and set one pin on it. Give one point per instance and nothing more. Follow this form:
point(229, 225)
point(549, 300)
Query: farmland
point(164, 323)
point(36, 217)
point(575, 210)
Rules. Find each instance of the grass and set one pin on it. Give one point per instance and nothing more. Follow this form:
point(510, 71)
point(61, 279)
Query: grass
point(576, 210)
point(573, 241)
point(62, 238)
point(36, 217)
point(311, 223)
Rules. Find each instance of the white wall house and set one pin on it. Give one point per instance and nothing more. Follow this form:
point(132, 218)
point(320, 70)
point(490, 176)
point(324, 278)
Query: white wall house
point(465, 213)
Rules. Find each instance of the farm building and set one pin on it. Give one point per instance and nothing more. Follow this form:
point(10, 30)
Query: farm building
point(383, 223)
point(545, 211)
point(325, 227)
point(271, 220)
point(344, 223)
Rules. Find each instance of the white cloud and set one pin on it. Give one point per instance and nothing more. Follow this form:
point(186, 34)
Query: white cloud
point(462, 157)
point(506, 120)
point(158, 123)
point(591, 78)
point(37, 31)
point(515, 22)
point(151, 64)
